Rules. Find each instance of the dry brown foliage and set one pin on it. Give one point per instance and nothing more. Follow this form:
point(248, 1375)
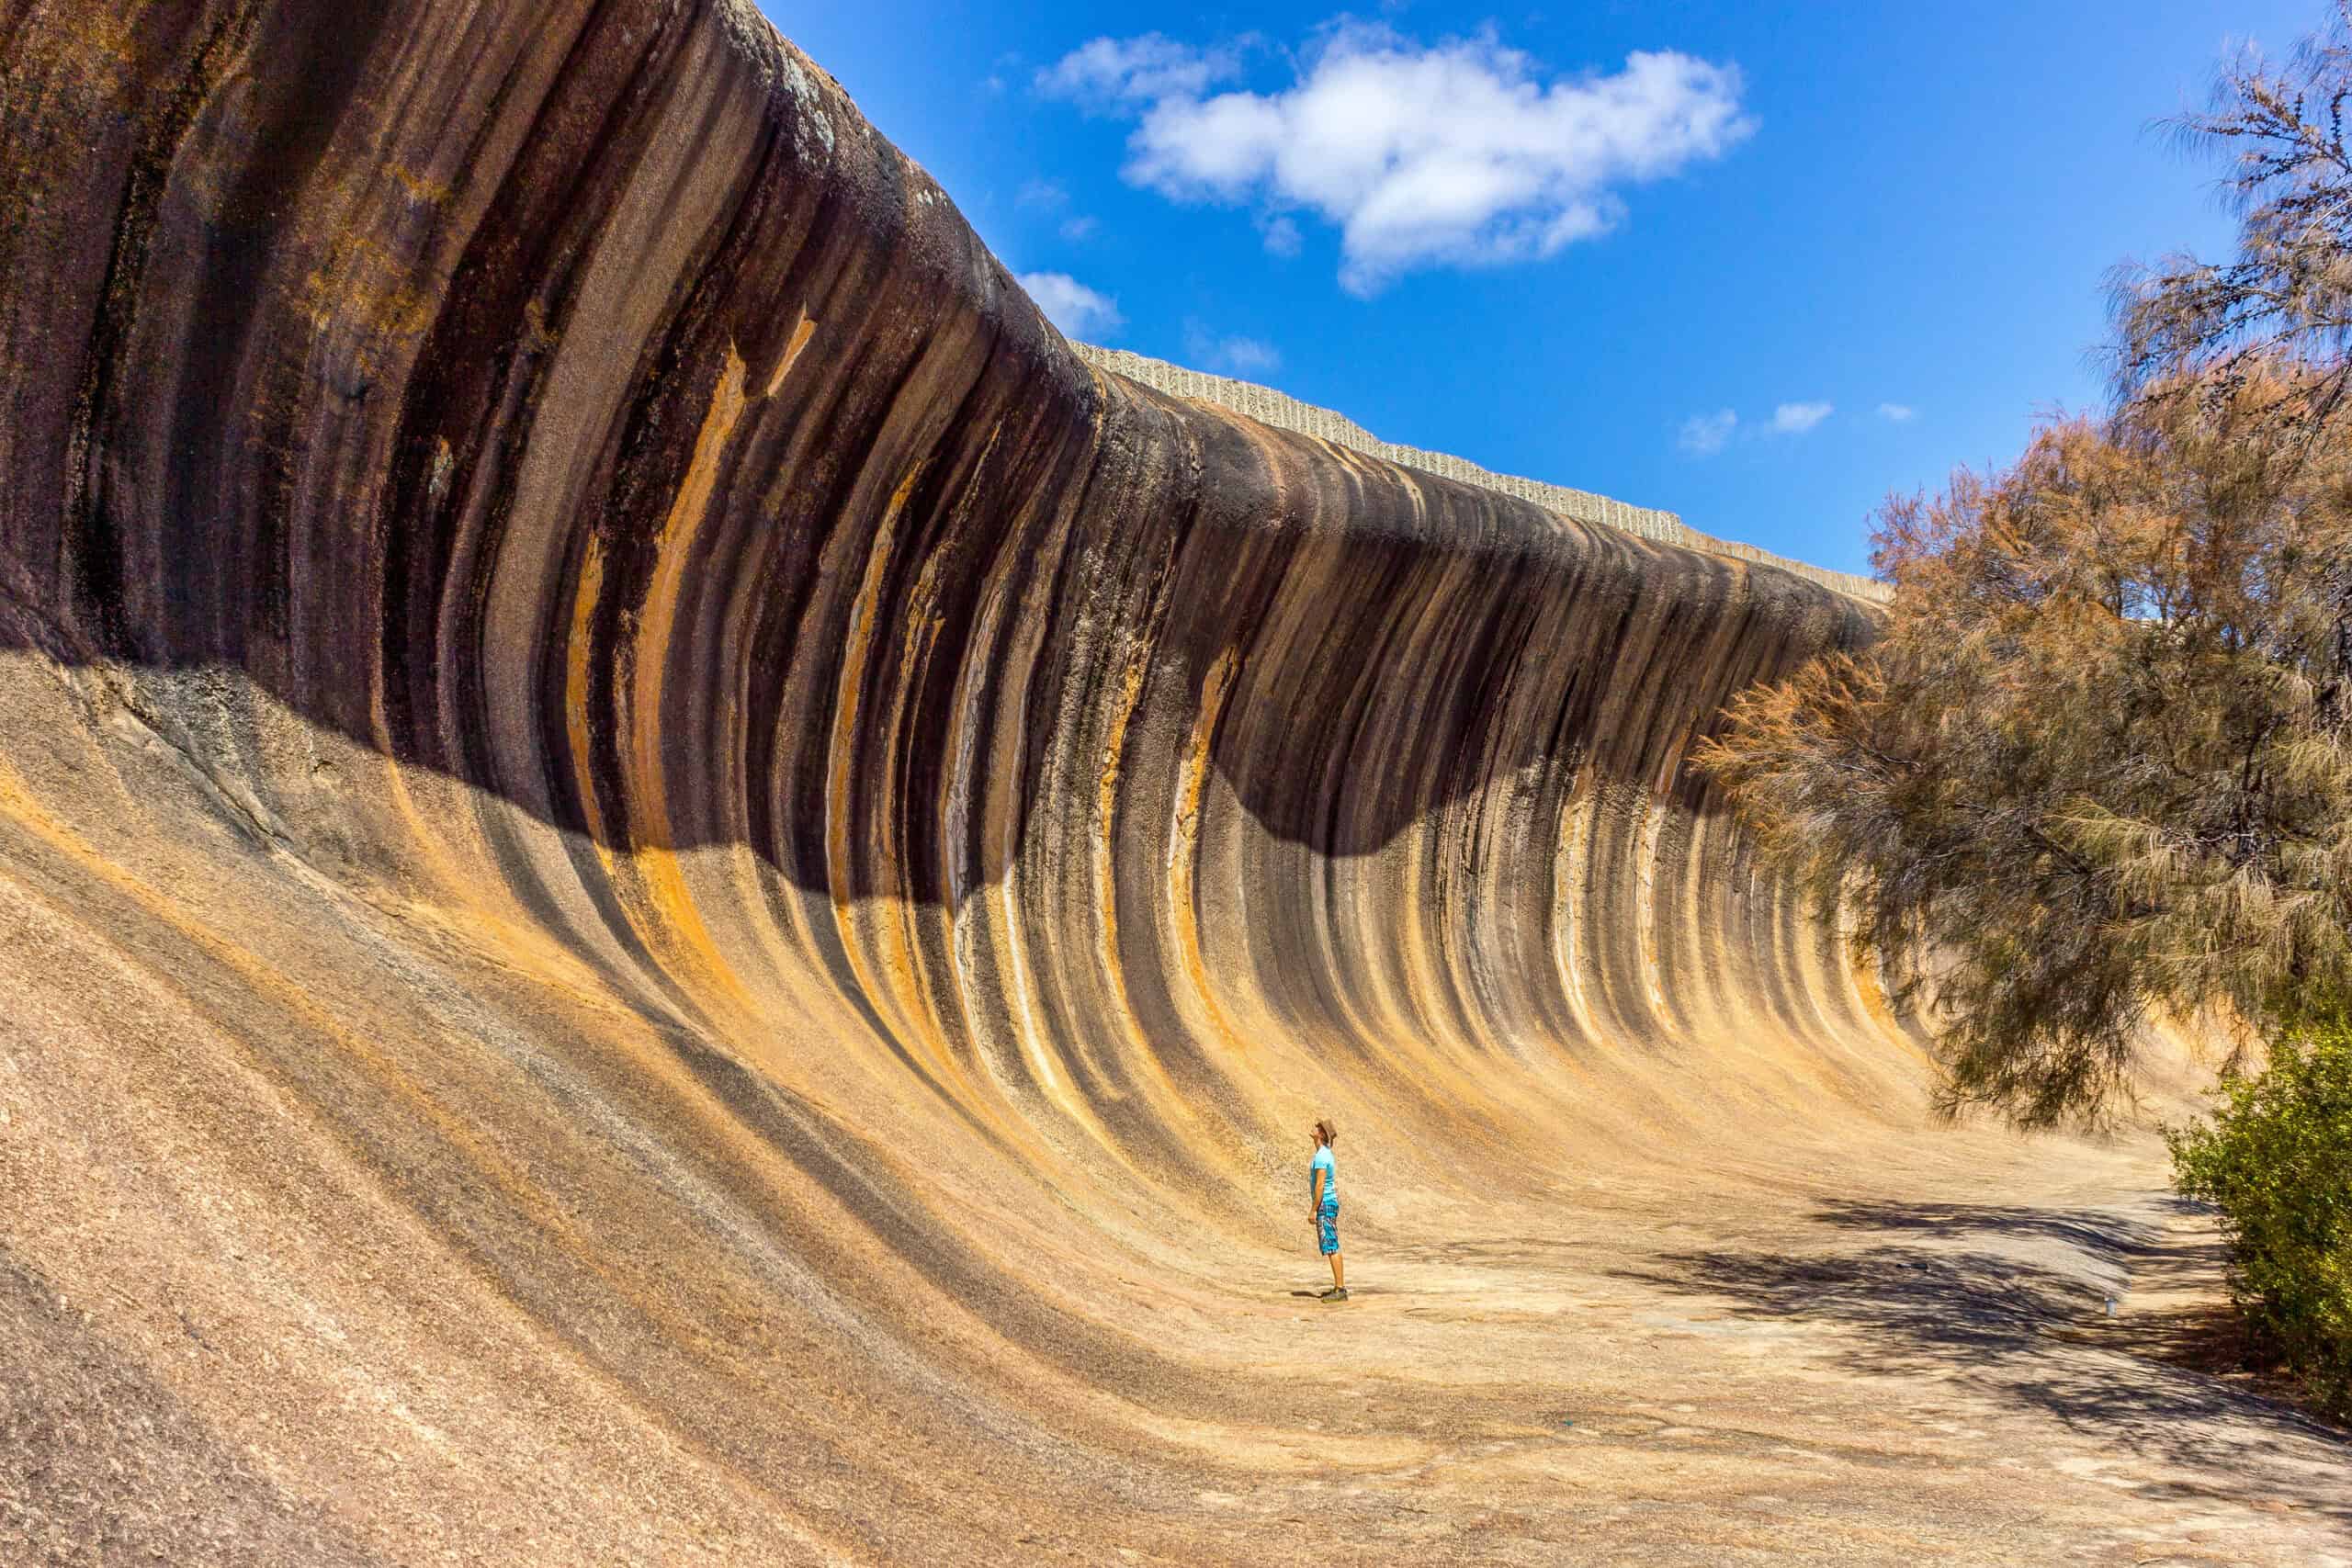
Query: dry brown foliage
point(2097, 764)
point(2204, 327)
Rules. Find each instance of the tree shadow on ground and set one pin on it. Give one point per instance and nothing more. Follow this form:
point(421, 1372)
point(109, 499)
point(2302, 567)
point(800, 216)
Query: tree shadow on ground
point(2104, 1233)
point(1983, 1294)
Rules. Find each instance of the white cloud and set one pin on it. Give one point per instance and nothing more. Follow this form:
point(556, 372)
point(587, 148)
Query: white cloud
point(1704, 435)
point(1052, 196)
point(1248, 355)
point(1796, 419)
point(1896, 413)
point(1233, 355)
point(1078, 310)
point(1282, 236)
point(1456, 153)
point(1108, 72)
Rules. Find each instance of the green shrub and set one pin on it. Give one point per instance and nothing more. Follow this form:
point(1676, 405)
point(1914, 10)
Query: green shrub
point(2276, 1161)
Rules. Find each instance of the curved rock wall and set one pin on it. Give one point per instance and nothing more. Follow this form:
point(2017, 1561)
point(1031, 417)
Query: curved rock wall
point(695, 480)
point(656, 848)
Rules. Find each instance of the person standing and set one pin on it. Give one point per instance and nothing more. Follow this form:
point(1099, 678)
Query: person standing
point(1323, 1211)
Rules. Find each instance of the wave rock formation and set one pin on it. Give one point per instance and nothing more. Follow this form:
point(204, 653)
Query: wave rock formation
point(673, 889)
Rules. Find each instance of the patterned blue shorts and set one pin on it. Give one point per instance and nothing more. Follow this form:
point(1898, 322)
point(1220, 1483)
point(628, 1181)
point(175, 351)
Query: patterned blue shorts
point(1327, 1226)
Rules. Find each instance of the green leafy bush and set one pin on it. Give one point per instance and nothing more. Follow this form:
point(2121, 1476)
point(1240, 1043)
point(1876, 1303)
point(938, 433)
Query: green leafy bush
point(2276, 1161)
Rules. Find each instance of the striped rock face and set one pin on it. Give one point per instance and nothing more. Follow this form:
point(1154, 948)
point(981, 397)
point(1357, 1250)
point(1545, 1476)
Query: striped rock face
point(670, 890)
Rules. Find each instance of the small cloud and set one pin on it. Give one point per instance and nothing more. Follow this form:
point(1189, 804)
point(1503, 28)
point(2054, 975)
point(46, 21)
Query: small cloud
point(1077, 311)
point(992, 85)
point(1245, 357)
point(1282, 237)
point(1233, 355)
point(1704, 435)
point(1896, 413)
point(1105, 73)
point(1796, 419)
point(1052, 196)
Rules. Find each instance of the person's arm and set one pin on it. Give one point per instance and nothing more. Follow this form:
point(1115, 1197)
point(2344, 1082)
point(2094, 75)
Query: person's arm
point(1315, 1210)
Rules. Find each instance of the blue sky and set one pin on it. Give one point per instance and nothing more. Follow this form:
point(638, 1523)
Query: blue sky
point(1759, 264)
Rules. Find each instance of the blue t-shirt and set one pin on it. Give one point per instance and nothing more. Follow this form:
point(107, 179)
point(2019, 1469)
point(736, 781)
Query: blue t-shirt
point(1331, 1178)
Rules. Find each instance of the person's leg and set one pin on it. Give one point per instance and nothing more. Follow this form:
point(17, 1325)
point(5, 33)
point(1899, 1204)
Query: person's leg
point(1328, 1229)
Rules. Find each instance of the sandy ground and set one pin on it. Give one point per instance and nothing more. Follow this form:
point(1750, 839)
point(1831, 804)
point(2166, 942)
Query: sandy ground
point(330, 1232)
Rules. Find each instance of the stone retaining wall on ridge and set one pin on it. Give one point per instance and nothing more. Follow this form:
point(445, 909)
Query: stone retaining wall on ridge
point(1283, 411)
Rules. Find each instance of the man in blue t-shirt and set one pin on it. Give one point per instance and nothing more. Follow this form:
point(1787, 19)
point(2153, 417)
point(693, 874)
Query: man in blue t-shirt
point(1323, 1211)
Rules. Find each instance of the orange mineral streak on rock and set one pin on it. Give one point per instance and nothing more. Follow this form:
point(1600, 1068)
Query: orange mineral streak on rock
point(654, 888)
point(579, 649)
point(872, 937)
point(673, 890)
point(674, 555)
point(801, 333)
point(1183, 846)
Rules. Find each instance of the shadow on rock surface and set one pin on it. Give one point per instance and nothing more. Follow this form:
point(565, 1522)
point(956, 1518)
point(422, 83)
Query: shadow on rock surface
point(2010, 1300)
